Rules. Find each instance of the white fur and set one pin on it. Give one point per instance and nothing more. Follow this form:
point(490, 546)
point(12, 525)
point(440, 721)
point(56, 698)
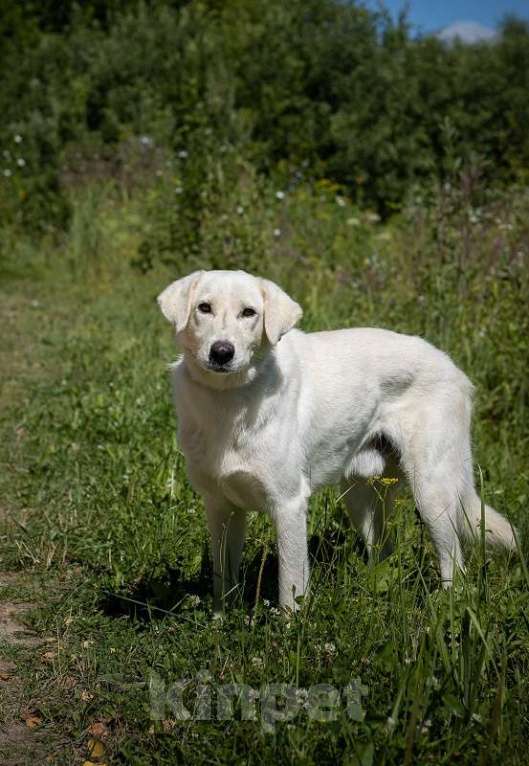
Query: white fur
point(294, 412)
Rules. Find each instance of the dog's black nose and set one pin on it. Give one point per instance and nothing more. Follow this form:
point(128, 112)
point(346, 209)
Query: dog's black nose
point(221, 352)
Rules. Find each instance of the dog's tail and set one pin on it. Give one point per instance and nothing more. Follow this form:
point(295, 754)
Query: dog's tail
point(498, 530)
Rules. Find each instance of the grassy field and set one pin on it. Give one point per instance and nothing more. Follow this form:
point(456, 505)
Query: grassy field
point(102, 536)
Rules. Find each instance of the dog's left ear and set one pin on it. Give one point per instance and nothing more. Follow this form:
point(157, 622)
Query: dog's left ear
point(280, 312)
point(175, 300)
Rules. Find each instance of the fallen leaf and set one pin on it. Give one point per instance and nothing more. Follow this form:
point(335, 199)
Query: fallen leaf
point(32, 720)
point(49, 656)
point(96, 749)
point(7, 670)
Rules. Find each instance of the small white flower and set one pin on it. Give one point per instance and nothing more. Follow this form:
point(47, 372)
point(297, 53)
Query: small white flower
point(257, 662)
point(182, 154)
point(277, 233)
point(302, 697)
point(266, 602)
point(21, 162)
point(275, 611)
point(340, 201)
point(7, 172)
point(194, 600)
point(280, 194)
point(17, 138)
point(178, 190)
point(353, 222)
point(390, 723)
point(146, 141)
point(240, 209)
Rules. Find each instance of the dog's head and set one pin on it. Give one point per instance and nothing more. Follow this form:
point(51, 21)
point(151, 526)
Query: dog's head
point(225, 320)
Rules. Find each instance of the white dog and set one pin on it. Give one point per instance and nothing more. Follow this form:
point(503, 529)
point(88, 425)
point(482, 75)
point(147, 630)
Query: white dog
point(268, 415)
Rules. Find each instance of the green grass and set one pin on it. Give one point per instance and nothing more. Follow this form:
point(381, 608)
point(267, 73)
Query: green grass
point(100, 517)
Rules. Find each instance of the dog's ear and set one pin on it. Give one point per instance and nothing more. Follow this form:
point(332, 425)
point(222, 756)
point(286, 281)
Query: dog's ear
point(175, 300)
point(280, 312)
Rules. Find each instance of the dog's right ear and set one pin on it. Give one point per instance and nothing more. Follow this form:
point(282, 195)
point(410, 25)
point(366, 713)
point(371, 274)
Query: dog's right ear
point(175, 300)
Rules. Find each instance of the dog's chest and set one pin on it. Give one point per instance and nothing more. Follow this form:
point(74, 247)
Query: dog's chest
point(226, 455)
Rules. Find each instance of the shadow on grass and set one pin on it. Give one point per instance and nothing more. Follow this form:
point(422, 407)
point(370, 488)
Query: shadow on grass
point(158, 598)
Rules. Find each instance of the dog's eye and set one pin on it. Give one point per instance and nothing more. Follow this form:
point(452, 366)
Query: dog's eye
point(204, 308)
point(248, 312)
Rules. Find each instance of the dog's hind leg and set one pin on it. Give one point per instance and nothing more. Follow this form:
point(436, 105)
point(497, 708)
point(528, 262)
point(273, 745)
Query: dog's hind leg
point(438, 507)
point(369, 504)
point(437, 460)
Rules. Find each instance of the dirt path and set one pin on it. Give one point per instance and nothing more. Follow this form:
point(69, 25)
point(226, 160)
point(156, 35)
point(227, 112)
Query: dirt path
point(21, 738)
point(24, 737)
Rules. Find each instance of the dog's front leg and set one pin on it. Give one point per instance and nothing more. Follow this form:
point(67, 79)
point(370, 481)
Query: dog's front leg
point(291, 525)
point(227, 526)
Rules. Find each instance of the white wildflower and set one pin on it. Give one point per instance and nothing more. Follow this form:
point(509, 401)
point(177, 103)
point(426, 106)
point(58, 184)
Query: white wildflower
point(280, 194)
point(21, 162)
point(426, 726)
point(7, 173)
point(340, 201)
point(277, 233)
point(240, 209)
point(17, 138)
point(302, 697)
point(182, 154)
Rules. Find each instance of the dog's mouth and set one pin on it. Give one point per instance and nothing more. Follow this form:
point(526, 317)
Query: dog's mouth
point(215, 367)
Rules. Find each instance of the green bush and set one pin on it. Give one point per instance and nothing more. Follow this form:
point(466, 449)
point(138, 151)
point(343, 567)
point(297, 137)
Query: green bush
point(330, 90)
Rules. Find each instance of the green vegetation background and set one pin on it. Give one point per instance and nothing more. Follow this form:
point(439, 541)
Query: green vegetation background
point(382, 180)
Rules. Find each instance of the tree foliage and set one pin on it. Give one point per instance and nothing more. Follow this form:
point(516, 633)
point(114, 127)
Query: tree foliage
point(320, 87)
